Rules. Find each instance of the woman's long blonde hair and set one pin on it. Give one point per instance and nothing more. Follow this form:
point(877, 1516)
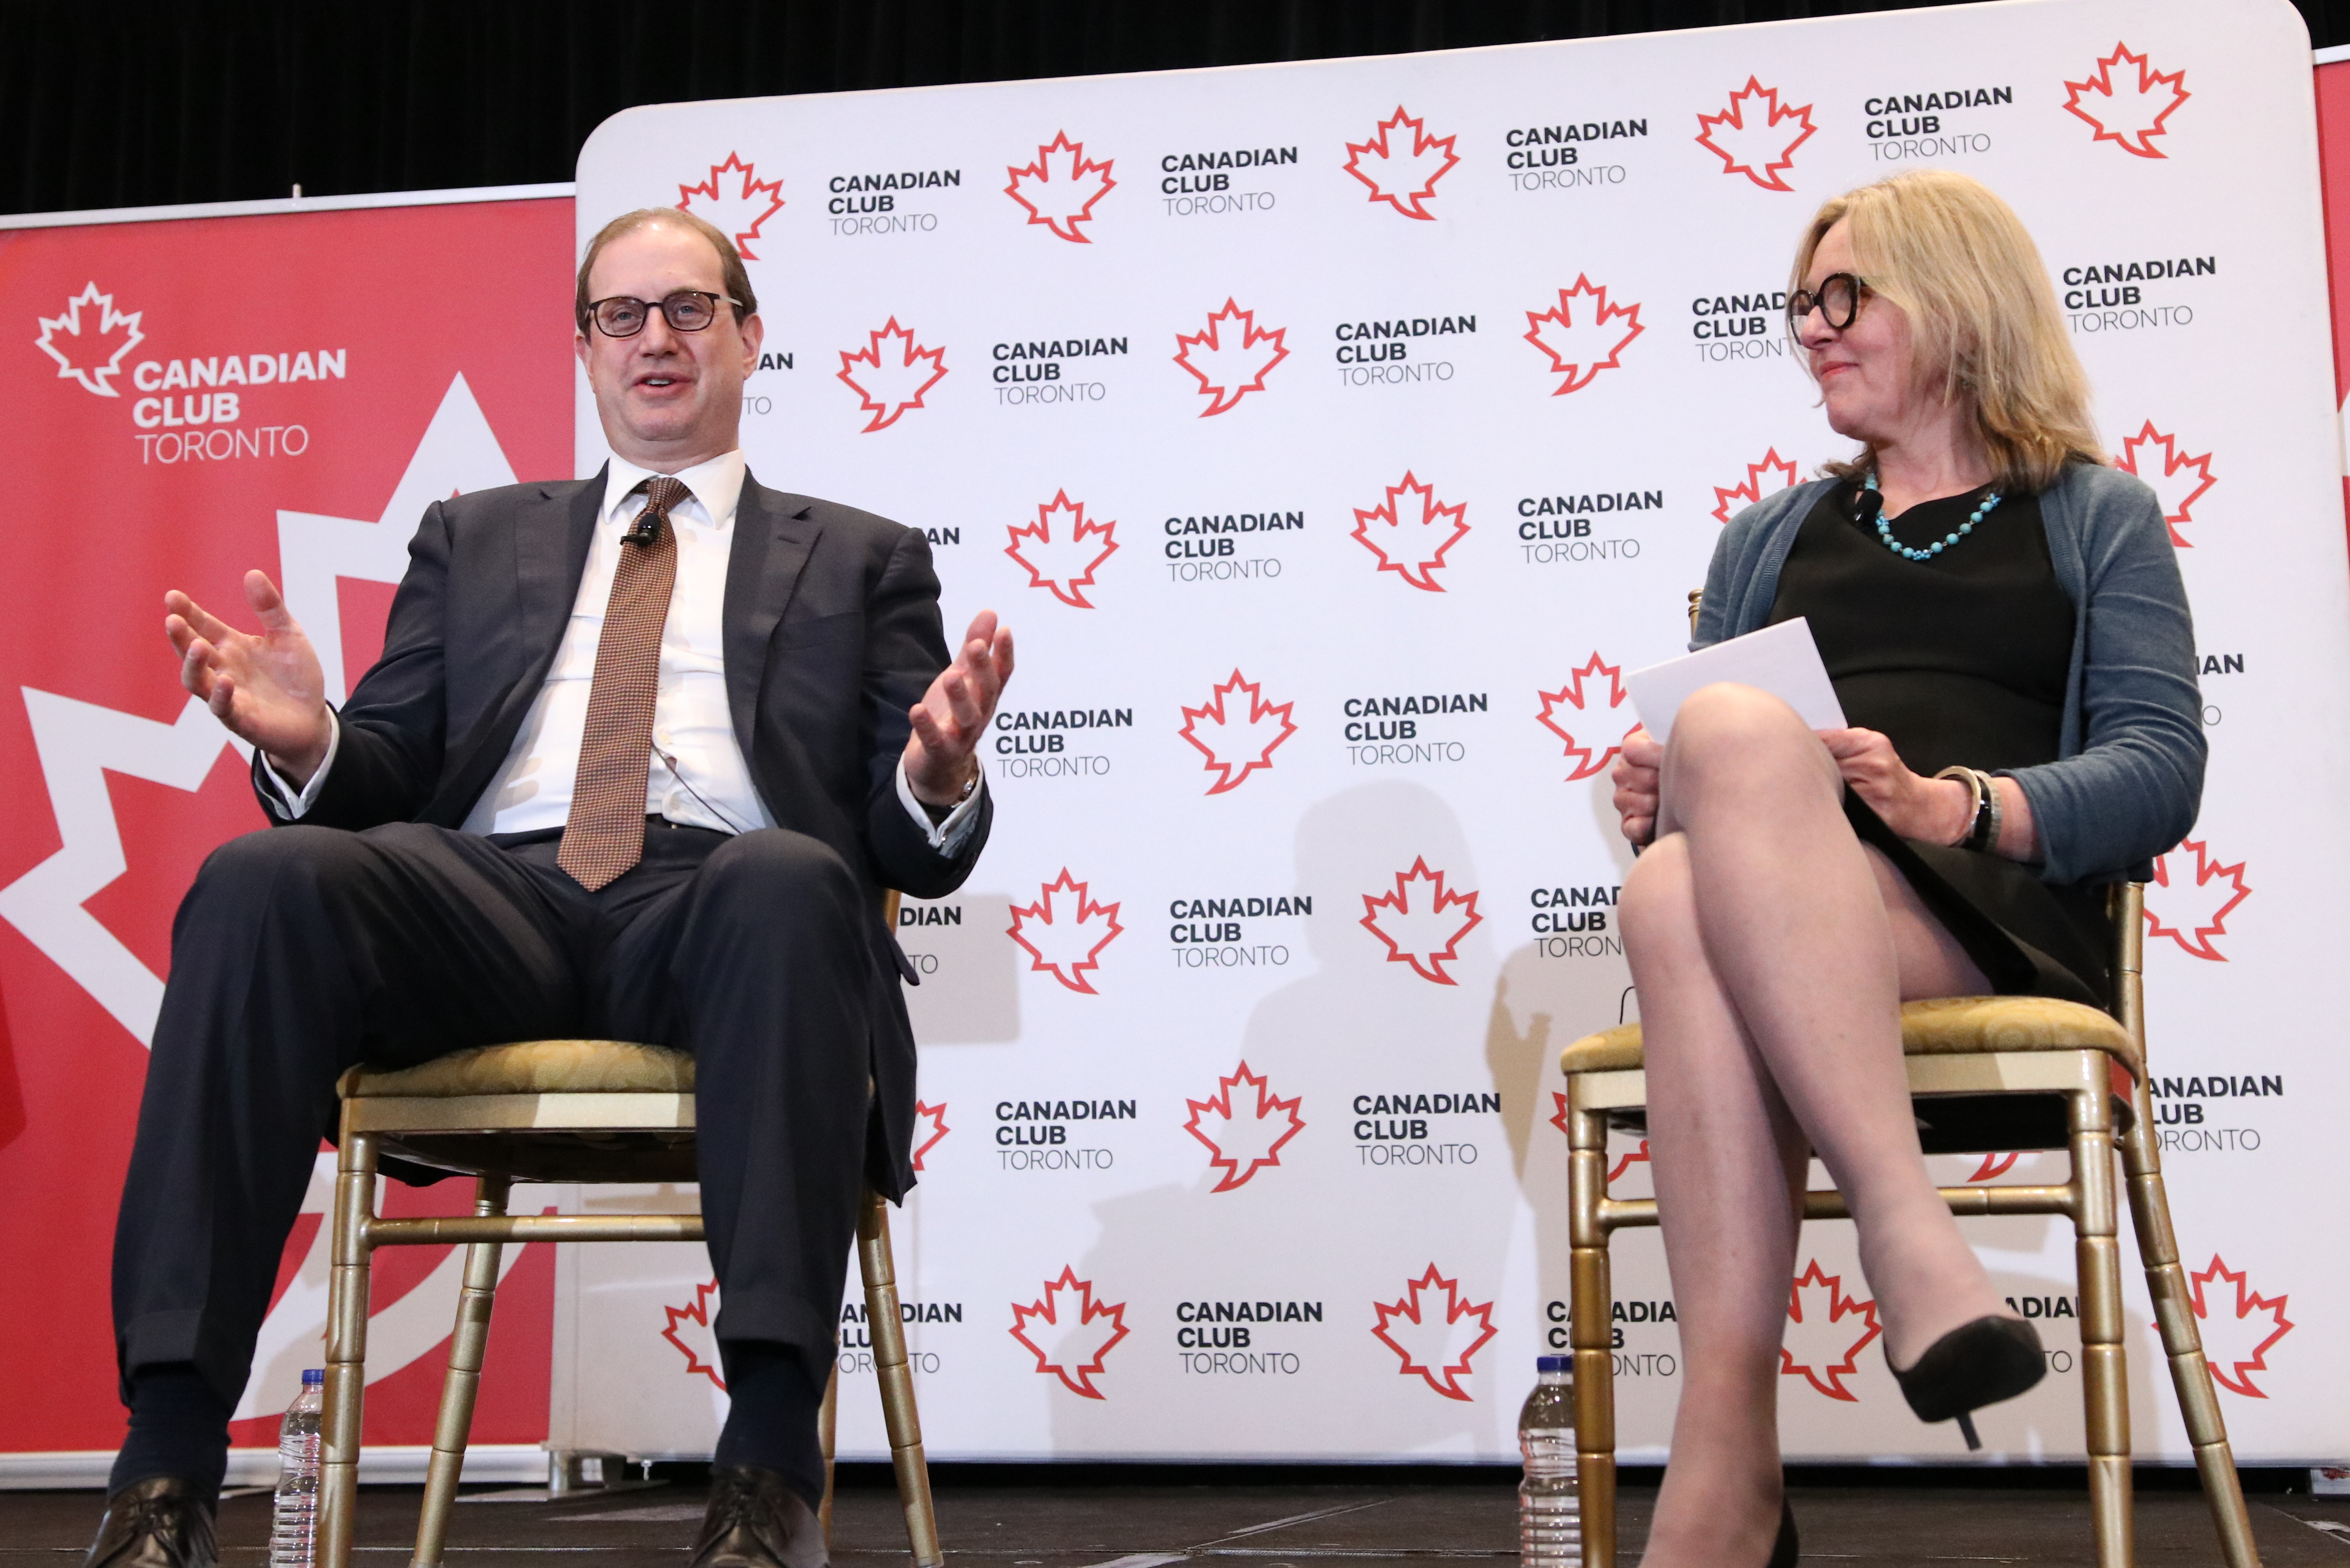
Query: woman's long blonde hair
point(1982, 312)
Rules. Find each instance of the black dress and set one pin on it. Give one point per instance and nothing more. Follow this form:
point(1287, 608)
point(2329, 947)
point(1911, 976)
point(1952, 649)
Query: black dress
point(1961, 658)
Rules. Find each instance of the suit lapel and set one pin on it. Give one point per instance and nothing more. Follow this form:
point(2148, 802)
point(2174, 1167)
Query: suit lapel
point(551, 536)
point(774, 536)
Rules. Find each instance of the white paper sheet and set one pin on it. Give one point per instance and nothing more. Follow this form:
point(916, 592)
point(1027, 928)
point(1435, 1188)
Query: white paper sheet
point(1782, 660)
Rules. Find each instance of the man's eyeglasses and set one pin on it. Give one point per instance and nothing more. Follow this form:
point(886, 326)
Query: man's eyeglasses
point(687, 310)
point(1838, 299)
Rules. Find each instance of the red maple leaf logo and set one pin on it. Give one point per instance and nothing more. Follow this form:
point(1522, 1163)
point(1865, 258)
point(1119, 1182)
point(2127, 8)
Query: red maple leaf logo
point(1231, 358)
point(1410, 537)
point(2192, 912)
point(2128, 113)
point(1571, 695)
point(1403, 177)
point(1828, 1328)
point(1422, 921)
point(1241, 1143)
point(1059, 189)
point(1768, 477)
point(1994, 1165)
point(1065, 932)
point(1084, 1331)
point(2236, 1345)
point(937, 1116)
point(1425, 1339)
point(90, 355)
point(697, 1342)
point(896, 371)
point(1236, 743)
point(2179, 480)
point(1757, 136)
point(1063, 549)
point(735, 207)
point(1583, 334)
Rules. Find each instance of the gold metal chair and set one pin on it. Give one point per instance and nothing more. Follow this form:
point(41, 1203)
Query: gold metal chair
point(1988, 1074)
point(586, 1111)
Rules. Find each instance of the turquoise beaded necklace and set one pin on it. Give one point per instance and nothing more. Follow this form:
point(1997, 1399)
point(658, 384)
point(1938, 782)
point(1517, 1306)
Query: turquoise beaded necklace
point(1885, 528)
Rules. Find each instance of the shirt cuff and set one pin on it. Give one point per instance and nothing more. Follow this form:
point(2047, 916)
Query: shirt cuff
point(947, 835)
point(297, 803)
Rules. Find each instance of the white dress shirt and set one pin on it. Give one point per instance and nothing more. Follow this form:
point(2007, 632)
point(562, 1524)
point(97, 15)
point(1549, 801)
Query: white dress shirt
point(697, 777)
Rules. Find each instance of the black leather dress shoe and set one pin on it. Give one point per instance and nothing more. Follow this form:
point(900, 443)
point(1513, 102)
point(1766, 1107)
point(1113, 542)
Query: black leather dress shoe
point(756, 1521)
point(160, 1523)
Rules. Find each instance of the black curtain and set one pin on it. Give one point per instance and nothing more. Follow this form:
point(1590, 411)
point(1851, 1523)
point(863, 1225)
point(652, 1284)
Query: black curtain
point(127, 104)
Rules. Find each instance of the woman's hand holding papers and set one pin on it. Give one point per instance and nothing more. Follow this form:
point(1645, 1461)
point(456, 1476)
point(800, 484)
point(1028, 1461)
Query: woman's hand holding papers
point(1635, 786)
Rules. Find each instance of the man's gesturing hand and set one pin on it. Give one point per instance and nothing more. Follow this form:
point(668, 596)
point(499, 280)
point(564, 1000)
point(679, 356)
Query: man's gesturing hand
point(268, 690)
point(953, 713)
point(1635, 777)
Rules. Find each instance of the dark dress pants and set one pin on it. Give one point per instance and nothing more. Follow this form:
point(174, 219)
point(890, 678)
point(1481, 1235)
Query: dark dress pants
point(301, 951)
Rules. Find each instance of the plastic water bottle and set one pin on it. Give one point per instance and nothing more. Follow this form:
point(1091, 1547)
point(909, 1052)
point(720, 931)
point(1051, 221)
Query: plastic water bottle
point(1550, 1514)
point(294, 1525)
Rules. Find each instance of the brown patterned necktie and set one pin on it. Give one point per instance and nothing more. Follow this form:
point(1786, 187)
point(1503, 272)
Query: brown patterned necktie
point(605, 832)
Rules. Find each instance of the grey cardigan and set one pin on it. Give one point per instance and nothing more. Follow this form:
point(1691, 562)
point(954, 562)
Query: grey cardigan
point(2129, 775)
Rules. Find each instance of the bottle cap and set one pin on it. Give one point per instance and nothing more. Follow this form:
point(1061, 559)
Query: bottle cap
point(318, 1374)
point(1553, 1362)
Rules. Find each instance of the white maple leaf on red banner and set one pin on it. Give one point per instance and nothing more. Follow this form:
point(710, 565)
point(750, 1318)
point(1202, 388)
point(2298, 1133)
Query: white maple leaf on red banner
point(2178, 480)
point(91, 355)
point(2129, 112)
point(1555, 718)
point(1583, 334)
point(1757, 135)
point(937, 1116)
point(1826, 1329)
point(2191, 904)
point(1243, 1140)
point(1402, 171)
point(1236, 730)
point(1231, 358)
point(691, 1332)
point(1065, 932)
point(1063, 549)
point(1435, 1331)
point(890, 373)
point(1422, 921)
point(1076, 1331)
point(1410, 530)
point(2237, 1334)
point(1768, 477)
point(1059, 189)
point(734, 201)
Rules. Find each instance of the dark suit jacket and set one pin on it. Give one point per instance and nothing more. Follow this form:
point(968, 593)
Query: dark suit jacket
point(832, 632)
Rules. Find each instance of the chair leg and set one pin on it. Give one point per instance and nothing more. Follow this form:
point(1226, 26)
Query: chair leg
point(1591, 1337)
point(898, 1412)
point(827, 1421)
point(2182, 1340)
point(2104, 1384)
point(467, 1345)
point(346, 1325)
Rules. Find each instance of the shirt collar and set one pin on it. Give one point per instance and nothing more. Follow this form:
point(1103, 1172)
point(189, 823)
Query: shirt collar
point(717, 485)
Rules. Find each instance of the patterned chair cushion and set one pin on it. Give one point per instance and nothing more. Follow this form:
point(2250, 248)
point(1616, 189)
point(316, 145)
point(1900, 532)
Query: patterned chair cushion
point(532, 1068)
point(1946, 1026)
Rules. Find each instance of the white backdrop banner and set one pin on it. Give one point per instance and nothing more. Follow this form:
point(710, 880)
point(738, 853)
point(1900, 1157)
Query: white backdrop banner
point(1334, 435)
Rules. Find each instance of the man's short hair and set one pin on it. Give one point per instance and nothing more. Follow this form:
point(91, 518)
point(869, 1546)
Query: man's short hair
point(737, 281)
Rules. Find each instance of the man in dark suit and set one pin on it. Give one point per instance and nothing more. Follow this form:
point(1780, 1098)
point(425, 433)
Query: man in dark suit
point(640, 755)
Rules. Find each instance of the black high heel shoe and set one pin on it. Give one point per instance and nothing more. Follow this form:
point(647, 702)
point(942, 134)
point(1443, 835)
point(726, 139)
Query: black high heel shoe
point(1786, 1549)
point(1974, 1364)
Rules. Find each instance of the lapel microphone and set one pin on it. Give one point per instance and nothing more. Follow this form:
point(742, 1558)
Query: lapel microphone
point(644, 531)
point(1865, 508)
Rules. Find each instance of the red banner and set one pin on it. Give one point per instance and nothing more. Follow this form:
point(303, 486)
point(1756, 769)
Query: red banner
point(194, 398)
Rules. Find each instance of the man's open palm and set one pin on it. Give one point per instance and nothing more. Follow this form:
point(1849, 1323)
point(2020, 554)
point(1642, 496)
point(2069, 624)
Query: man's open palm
point(268, 688)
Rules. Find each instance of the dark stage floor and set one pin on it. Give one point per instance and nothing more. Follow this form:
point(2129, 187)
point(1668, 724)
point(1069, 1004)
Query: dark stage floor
point(1034, 1519)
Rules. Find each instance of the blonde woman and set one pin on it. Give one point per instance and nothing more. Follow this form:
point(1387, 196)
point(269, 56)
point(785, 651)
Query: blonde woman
point(2004, 622)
